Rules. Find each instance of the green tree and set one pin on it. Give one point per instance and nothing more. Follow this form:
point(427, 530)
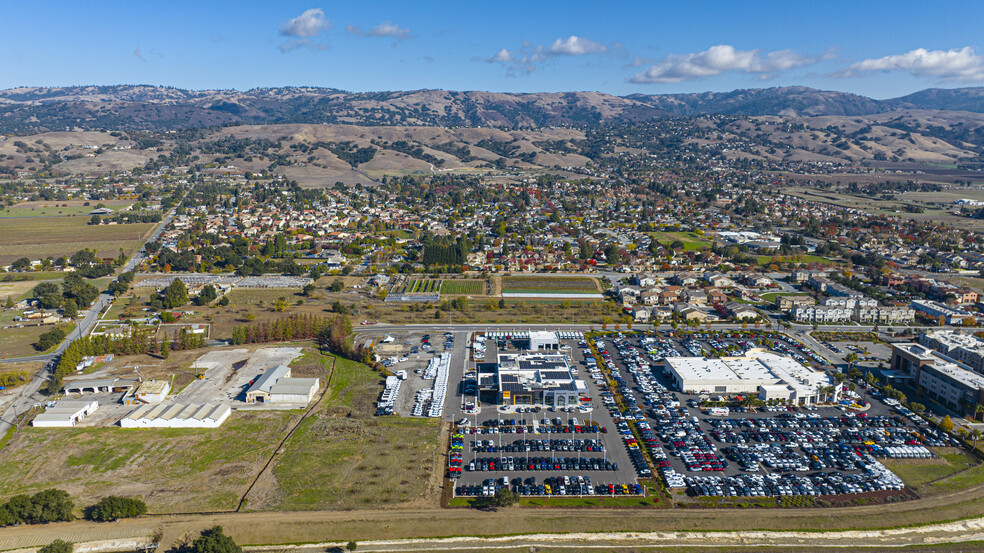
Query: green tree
point(95, 220)
point(214, 541)
point(57, 546)
point(114, 508)
point(337, 285)
point(224, 301)
point(70, 310)
point(165, 347)
point(207, 295)
point(351, 546)
point(176, 294)
point(281, 304)
point(308, 289)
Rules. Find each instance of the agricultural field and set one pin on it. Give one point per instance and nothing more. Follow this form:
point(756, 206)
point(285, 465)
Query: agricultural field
point(36, 238)
point(691, 240)
point(469, 287)
point(53, 209)
point(547, 285)
point(342, 457)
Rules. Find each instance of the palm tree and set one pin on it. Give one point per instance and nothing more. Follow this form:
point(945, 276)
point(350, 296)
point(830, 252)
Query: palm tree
point(975, 434)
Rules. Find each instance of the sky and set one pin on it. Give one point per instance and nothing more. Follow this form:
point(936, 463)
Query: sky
point(880, 49)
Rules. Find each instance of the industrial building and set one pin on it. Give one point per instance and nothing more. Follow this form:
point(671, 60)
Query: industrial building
point(153, 391)
point(276, 386)
point(939, 376)
point(97, 385)
point(65, 414)
point(533, 379)
point(177, 415)
point(771, 376)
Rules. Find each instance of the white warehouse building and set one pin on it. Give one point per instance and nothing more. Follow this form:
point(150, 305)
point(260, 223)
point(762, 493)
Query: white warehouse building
point(177, 415)
point(769, 375)
point(65, 414)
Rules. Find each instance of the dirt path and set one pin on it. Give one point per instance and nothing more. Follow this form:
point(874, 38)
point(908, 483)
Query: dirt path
point(391, 529)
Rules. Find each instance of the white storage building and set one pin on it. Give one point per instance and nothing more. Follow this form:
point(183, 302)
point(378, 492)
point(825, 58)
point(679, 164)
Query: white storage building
point(65, 414)
point(771, 376)
point(294, 390)
point(542, 339)
point(177, 415)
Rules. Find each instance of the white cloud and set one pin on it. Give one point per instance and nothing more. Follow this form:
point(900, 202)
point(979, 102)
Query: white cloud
point(301, 29)
point(963, 64)
point(502, 56)
point(384, 29)
point(308, 24)
point(575, 46)
point(526, 59)
point(721, 59)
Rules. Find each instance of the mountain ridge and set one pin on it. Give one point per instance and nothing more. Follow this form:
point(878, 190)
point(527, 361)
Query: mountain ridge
point(150, 107)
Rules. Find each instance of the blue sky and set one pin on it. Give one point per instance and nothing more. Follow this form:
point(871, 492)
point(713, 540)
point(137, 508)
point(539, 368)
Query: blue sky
point(878, 49)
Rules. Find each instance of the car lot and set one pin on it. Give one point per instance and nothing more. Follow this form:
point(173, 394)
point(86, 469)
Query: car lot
point(539, 450)
point(772, 451)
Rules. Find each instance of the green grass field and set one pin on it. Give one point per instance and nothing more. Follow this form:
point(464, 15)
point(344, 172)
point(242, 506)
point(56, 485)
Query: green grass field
point(953, 470)
point(546, 285)
point(36, 238)
point(342, 457)
point(471, 287)
point(691, 241)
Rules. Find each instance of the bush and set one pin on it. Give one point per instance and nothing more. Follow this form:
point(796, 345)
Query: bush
point(49, 339)
point(45, 506)
point(115, 508)
point(214, 541)
point(57, 546)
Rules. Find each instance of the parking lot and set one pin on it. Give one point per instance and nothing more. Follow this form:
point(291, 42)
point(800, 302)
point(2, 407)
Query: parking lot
point(768, 451)
point(540, 450)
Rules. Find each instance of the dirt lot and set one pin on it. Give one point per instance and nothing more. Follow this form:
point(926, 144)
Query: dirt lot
point(174, 470)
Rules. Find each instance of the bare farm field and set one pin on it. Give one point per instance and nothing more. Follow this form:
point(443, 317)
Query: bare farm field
point(57, 236)
point(546, 285)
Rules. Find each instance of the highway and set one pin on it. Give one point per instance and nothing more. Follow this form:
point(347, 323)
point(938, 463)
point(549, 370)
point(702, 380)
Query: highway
point(29, 395)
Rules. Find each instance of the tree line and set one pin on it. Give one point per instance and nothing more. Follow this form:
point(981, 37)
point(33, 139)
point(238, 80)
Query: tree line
point(55, 505)
point(331, 333)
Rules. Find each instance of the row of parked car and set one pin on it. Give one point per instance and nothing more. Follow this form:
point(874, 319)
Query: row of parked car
point(554, 486)
point(519, 446)
point(492, 464)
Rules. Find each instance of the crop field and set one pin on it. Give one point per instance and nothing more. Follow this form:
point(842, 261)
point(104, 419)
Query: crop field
point(424, 286)
point(342, 457)
point(57, 236)
point(545, 285)
point(691, 240)
point(174, 470)
point(470, 287)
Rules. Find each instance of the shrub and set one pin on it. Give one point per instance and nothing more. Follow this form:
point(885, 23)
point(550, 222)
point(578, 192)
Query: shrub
point(115, 508)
